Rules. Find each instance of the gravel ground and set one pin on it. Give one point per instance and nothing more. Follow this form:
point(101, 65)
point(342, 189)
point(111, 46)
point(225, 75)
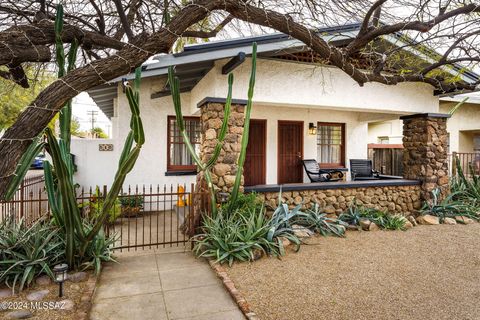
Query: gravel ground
point(429, 272)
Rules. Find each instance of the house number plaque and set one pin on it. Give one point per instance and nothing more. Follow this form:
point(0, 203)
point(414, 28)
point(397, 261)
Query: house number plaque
point(105, 147)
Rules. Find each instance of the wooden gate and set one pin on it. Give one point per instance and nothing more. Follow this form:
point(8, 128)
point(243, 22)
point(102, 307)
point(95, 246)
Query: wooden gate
point(387, 158)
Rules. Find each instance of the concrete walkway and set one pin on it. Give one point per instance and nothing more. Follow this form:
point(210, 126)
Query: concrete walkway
point(164, 286)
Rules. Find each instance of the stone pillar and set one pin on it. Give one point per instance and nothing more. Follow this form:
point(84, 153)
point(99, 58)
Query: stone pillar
point(425, 151)
point(212, 112)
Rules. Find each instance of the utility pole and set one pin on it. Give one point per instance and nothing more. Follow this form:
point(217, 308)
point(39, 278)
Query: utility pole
point(92, 114)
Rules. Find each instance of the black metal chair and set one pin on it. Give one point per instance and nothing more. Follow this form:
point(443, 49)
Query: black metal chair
point(315, 174)
point(362, 169)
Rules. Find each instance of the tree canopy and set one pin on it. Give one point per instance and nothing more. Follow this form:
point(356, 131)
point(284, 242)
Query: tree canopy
point(117, 36)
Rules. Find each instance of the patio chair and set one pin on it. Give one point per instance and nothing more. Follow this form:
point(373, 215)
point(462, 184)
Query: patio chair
point(315, 174)
point(361, 169)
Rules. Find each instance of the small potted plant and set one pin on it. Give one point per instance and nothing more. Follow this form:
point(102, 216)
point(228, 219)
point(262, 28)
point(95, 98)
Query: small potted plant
point(131, 205)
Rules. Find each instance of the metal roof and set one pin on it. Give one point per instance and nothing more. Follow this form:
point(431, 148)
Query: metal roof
point(197, 60)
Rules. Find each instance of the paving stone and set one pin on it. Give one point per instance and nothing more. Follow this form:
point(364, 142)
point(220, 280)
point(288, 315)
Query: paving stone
point(4, 293)
point(37, 295)
point(77, 276)
point(67, 304)
point(19, 314)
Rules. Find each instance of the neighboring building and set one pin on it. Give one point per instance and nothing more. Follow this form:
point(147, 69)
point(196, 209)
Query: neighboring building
point(463, 127)
point(291, 95)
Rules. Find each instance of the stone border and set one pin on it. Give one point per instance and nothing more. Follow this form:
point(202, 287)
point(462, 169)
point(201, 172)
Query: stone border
point(236, 295)
point(83, 309)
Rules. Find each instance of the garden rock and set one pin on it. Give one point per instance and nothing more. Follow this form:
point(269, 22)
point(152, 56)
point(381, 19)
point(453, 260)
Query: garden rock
point(408, 225)
point(301, 232)
point(285, 241)
point(77, 277)
point(412, 220)
point(373, 227)
point(257, 254)
point(428, 220)
point(352, 227)
point(365, 224)
point(449, 221)
point(67, 304)
point(75, 287)
point(4, 293)
point(19, 314)
point(464, 220)
point(43, 280)
point(37, 295)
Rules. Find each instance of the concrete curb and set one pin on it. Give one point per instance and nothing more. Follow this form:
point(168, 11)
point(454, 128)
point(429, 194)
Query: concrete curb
point(236, 295)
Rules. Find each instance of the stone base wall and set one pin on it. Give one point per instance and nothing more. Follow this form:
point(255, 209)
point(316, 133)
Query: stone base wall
point(425, 152)
point(224, 171)
point(393, 199)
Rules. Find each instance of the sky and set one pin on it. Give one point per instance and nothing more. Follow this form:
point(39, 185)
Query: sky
point(81, 105)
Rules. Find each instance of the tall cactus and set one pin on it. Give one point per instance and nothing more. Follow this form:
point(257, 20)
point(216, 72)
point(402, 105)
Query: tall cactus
point(204, 167)
point(61, 192)
point(246, 127)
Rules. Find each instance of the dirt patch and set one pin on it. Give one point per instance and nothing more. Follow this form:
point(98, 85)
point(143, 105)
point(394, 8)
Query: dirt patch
point(79, 293)
point(429, 272)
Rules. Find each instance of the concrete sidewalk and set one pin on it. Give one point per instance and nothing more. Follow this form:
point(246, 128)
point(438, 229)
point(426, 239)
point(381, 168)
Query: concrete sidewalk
point(164, 286)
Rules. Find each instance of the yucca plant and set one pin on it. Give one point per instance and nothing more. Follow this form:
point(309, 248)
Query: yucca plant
point(28, 251)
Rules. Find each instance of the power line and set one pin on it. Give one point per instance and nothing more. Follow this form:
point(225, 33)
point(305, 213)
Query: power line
point(92, 114)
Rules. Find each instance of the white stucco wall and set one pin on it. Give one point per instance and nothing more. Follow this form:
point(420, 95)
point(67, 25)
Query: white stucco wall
point(393, 129)
point(283, 91)
point(283, 83)
point(463, 126)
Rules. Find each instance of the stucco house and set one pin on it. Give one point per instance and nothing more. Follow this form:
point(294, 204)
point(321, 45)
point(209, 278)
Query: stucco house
point(302, 110)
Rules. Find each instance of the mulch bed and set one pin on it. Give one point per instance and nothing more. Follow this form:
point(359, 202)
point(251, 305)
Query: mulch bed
point(80, 293)
point(428, 272)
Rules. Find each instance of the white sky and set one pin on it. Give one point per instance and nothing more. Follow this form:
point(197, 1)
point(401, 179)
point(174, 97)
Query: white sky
point(81, 105)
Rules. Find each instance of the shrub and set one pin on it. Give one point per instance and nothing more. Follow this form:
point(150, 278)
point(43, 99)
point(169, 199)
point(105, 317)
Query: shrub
point(95, 205)
point(238, 234)
point(319, 222)
point(131, 201)
point(28, 251)
point(451, 206)
point(383, 220)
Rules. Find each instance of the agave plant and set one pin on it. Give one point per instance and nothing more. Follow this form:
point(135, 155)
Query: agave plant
point(238, 235)
point(28, 251)
point(318, 221)
point(449, 207)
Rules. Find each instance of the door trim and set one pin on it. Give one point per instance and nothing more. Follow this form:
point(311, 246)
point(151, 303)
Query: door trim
point(280, 122)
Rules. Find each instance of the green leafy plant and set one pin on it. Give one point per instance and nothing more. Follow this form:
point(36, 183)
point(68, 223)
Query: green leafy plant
point(28, 251)
point(319, 222)
point(94, 206)
point(239, 235)
point(132, 201)
point(449, 207)
point(355, 213)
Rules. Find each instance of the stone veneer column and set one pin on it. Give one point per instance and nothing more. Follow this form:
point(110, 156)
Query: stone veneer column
point(212, 113)
point(425, 151)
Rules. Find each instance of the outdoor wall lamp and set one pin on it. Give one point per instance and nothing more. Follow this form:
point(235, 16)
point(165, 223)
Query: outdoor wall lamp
point(60, 272)
point(312, 129)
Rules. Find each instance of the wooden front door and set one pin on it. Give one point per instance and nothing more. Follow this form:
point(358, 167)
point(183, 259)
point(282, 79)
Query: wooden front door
point(290, 151)
point(254, 169)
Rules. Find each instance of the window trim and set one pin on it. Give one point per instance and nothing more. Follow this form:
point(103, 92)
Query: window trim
point(177, 168)
point(342, 146)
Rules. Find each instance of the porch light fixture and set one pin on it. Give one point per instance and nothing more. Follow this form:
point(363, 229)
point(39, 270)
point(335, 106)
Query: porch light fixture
point(60, 272)
point(312, 129)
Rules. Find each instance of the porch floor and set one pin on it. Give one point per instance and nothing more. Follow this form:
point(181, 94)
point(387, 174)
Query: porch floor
point(332, 185)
